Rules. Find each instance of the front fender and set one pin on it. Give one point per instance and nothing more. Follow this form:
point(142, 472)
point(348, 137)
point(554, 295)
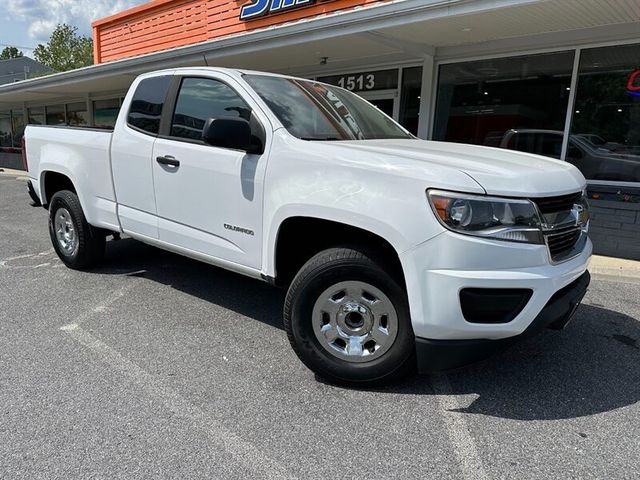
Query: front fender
point(387, 231)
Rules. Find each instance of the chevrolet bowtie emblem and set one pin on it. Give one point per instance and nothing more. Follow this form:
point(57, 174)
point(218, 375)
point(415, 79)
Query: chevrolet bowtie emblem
point(580, 214)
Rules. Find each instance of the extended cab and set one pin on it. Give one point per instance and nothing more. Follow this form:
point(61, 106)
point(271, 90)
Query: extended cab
point(393, 249)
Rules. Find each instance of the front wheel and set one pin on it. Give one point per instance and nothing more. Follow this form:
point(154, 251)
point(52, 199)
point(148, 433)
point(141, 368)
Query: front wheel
point(348, 319)
point(78, 244)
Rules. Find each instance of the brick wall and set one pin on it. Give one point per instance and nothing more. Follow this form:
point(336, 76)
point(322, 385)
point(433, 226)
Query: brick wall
point(615, 228)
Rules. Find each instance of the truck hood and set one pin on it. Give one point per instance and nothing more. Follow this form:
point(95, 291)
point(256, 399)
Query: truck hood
point(497, 171)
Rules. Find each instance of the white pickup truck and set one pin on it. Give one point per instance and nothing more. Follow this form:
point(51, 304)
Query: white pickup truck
point(396, 252)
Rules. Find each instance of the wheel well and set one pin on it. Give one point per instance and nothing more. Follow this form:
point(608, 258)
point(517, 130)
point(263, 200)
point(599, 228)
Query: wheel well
point(53, 183)
point(300, 238)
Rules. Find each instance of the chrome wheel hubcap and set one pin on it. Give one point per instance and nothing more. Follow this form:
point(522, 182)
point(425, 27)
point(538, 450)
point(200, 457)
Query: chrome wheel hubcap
point(355, 321)
point(65, 231)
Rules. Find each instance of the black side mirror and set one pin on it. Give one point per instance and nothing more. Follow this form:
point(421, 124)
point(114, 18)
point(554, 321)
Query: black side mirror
point(228, 132)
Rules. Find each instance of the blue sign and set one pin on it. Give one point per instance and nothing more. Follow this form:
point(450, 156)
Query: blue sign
point(259, 8)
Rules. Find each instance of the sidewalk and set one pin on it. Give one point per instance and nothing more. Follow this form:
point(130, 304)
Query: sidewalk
point(614, 267)
point(19, 174)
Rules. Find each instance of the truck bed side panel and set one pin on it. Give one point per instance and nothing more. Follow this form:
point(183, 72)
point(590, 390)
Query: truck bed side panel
point(82, 155)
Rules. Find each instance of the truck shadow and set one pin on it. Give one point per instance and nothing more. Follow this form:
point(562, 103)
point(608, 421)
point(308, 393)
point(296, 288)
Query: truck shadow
point(591, 367)
point(249, 297)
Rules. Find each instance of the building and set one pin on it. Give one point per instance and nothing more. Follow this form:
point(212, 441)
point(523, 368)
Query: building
point(11, 71)
point(21, 68)
point(555, 77)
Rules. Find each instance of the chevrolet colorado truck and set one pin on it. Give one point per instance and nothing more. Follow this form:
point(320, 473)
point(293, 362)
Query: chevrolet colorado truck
point(396, 252)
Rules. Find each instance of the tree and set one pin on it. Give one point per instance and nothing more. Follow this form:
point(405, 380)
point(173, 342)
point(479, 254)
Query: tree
point(10, 52)
point(65, 50)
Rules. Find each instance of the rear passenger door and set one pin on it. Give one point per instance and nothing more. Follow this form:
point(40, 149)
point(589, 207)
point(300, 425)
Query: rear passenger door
point(209, 200)
point(131, 155)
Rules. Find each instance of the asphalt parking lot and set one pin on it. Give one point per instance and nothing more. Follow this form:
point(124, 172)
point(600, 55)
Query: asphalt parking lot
point(158, 366)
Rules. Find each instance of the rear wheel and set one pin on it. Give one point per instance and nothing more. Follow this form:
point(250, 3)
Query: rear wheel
point(78, 244)
point(348, 319)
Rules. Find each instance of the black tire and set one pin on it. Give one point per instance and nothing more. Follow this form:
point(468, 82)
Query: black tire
point(89, 250)
point(332, 267)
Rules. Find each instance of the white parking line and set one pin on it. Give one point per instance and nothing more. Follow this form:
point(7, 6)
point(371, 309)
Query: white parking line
point(221, 438)
point(463, 444)
point(7, 262)
point(102, 306)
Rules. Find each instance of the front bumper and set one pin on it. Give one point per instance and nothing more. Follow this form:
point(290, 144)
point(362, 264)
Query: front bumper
point(439, 269)
point(437, 355)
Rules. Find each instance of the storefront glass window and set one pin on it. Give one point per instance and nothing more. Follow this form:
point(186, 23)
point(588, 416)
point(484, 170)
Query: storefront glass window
point(378, 87)
point(5, 129)
point(77, 114)
point(410, 98)
point(605, 132)
point(105, 113)
point(36, 116)
point(17, 122)
point(515, 102)
point(55, 115)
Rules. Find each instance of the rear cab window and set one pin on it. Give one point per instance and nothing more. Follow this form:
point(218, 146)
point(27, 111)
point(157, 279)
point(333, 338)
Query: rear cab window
point(148, 100)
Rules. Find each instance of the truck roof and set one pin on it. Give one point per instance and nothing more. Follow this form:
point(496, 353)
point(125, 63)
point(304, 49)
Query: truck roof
point(229, 71)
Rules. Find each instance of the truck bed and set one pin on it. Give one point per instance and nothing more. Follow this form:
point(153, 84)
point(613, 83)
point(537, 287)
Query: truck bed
point(83, 154)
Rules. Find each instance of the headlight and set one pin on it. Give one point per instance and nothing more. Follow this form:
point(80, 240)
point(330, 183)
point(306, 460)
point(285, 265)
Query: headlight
point(512, 220)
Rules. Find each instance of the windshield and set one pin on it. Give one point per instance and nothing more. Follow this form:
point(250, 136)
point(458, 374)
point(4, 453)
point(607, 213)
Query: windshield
point(315, 111)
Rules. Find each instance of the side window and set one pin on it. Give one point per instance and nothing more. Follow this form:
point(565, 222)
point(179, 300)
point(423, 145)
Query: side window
point(203, 98)
point(147, 102)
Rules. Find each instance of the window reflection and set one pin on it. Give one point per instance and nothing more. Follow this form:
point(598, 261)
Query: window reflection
point(484, 102)
point(105, 112)
point(5, 129)
point(17, 123)
point(605, 132)
point(410, 99)
point(201, 99)
point(36, 116)
point(55, 115)
point(147, 103)
point(77, 114)
point(11, 129)
point(315, 111)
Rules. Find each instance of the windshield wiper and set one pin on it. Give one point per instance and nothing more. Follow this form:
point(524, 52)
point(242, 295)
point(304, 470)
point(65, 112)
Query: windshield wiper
point(319, 139)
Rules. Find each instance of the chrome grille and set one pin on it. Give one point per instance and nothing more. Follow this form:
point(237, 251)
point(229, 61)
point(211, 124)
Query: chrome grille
point(563, 228)
point(562, 242)
point(557, 204)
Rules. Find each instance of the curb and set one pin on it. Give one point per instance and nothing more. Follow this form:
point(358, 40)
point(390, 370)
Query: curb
point(614, 267)
point(9, 172)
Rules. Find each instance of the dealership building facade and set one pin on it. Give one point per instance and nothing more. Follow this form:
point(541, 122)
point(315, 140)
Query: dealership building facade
point(555, 77)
